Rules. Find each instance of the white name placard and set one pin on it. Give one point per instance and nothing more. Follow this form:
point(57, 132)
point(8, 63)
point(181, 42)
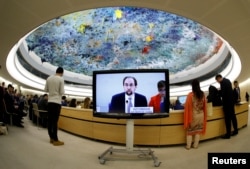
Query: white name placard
point(141, 110)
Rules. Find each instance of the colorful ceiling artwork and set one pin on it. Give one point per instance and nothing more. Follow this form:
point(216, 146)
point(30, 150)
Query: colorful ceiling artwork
point(123, 38)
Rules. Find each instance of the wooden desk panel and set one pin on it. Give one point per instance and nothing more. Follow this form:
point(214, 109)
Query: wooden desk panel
point(147, 135)
point(160, 131)
point(242, 119)
point(109, 132)
point(84, 114)
point(171, 135)
point(78, 127)
point(214, 129)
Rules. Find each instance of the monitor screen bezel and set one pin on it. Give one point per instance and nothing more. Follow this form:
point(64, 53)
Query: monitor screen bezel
point(132, 115)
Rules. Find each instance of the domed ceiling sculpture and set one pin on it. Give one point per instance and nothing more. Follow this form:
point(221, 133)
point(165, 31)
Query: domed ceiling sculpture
point(123, 38)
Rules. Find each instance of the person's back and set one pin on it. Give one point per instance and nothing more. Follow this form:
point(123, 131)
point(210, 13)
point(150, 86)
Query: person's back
point(227, 92)
point(228, 106)
point(43, 103)
point(178, 105)
point(214, 96)
point(195, 115)
point(64, 101)
point(86, 103)
point(73, 103)
point(55, 87)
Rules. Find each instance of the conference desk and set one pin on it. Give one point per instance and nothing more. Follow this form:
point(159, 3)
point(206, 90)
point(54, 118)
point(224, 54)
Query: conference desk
point(151, 132)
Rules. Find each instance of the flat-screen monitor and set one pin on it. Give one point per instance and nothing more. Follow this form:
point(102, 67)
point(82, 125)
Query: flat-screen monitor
point(127, 94)
point(182, 99)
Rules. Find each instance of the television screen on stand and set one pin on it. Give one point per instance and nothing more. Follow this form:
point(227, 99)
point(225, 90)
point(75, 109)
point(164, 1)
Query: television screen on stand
point(131, 93)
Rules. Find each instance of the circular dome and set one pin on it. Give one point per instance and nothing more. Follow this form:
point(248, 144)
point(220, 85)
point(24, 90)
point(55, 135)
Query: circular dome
point(123, 38)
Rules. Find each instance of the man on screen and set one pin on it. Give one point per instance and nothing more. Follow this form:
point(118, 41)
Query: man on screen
point(121, 103)
point(158, 101)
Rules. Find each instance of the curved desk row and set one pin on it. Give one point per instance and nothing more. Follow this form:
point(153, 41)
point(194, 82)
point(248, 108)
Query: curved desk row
point(154, 132)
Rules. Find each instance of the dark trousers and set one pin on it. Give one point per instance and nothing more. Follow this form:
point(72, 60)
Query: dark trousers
point(230, 118)
point(54, 110)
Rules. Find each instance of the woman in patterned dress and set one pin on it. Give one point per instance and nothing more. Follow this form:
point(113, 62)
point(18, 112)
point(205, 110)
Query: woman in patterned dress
point(195, 115)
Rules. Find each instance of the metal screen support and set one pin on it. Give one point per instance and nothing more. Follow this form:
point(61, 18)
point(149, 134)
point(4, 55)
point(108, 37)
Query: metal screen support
point(146, 154)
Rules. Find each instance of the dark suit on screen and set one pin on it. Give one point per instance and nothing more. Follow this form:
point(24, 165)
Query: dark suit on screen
point(118, 101)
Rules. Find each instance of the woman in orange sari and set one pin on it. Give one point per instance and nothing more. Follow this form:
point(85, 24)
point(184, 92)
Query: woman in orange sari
point(195, 115)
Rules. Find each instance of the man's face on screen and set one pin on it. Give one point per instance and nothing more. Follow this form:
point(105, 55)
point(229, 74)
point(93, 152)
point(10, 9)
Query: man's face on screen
point(129, 86)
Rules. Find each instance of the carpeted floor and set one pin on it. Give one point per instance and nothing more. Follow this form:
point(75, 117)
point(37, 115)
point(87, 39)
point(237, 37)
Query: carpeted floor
point(29, 148)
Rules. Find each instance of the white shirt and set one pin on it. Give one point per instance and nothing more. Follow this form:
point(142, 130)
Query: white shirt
point(55, 87)
point(127, 101)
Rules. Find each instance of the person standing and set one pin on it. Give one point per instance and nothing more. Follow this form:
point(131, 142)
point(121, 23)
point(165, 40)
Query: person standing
point(55, 87)
point(228, 106)
point(236, 93)
point(1, 104)
point(195, 115)
point(247, 96)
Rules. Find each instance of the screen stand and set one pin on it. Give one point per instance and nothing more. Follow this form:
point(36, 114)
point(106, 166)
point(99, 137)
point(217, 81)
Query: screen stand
point(145, 154)
point(129, 134)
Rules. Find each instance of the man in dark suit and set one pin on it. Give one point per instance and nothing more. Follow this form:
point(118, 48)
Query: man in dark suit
point(121, 103)
point(12, 108)
point(237, 97)
point(1, 104)
point(228, 105)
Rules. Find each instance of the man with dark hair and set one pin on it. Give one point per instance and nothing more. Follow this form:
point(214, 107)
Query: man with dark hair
point(43, 102)
point(236, 93)
point(228, 105)
point(64, 101)
point(12, 108)
point(43, 105)
point(158, 101)
point(121, 103)
point(1, 104)
point(55, 87)
point(214, 96)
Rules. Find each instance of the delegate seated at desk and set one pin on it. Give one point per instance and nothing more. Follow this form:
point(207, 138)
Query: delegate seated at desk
point(178, 105)
point(121, 103)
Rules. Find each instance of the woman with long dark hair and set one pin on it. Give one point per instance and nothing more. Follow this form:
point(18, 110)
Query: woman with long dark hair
point(73, 103)
point(195, 115)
